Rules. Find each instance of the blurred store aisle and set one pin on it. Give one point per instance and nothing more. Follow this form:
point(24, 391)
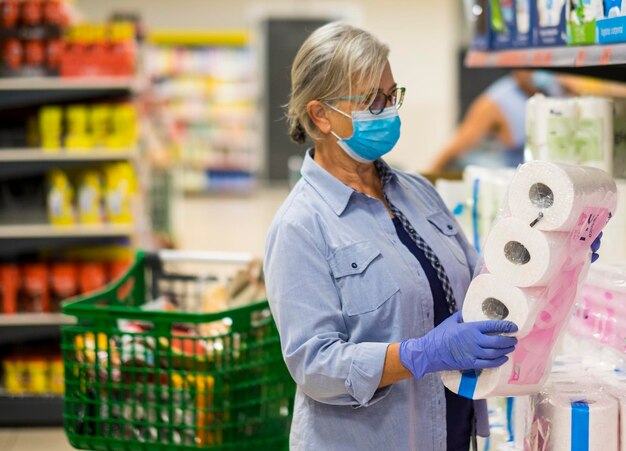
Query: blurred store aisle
point(230, 224)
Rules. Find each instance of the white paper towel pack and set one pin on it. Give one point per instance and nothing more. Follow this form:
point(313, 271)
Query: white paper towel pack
point(491, 298)
point(576, 420)
point(559, 192)
point(523, 255)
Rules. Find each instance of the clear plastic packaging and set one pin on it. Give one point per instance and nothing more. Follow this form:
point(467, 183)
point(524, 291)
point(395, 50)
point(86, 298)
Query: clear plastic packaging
point(582, 200)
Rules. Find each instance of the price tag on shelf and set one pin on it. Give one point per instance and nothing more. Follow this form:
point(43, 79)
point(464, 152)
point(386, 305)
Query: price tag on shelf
point(581, 56)
point(605, 56)
point(541, 58)
point(476, 59)
point(510, 59)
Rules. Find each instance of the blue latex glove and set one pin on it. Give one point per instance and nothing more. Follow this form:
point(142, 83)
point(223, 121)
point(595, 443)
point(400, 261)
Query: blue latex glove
point(595, 246)
point(455, 345)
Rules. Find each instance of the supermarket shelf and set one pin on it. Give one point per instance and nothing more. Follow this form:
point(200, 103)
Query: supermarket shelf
point(35, 319)
point(604, 61)
point(46, 231)
point(58, 83)
point(31, 410)
point(65, 155)
point(235, 38)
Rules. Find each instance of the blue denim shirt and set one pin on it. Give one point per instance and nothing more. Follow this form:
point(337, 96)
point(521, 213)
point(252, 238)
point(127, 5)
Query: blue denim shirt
point(342, 287)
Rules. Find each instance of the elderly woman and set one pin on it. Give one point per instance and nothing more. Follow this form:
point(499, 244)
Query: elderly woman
point(366, 269)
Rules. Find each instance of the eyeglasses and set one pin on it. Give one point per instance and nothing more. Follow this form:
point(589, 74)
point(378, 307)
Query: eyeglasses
point(378, 101)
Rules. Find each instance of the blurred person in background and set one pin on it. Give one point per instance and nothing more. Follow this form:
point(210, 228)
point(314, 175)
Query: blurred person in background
point(498, 114)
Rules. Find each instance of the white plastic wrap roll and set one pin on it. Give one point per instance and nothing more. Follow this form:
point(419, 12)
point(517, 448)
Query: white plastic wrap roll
point(490, 298)
point(522, 255)
point(578, 420)
point(559, 192)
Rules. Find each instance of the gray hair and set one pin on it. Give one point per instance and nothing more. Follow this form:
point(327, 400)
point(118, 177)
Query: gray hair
point(334, 59)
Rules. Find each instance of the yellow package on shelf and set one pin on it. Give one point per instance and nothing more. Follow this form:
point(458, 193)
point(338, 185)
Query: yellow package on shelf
point(123, 133)
point(99, 123)
point(120, 188)
point(78, 137)
point(60, 198)
point(90, 197)
point(51, 128)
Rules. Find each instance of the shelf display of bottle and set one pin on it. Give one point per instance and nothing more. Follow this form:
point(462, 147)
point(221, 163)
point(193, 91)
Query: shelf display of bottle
point(205, 98)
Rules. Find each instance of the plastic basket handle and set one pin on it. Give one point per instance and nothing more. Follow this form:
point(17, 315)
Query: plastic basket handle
point(204, 257)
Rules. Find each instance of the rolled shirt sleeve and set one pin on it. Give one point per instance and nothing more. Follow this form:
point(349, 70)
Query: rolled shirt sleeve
point(307, 309)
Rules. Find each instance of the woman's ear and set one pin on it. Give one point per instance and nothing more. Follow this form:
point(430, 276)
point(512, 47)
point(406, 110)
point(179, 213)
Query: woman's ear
point(317, 113)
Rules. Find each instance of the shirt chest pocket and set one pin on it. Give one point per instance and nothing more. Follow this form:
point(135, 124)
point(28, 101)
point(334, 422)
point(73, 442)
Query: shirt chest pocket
point(448, 231)
point(362, 277)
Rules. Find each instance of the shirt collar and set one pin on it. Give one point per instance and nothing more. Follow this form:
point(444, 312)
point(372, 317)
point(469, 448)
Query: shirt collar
point(334, 192)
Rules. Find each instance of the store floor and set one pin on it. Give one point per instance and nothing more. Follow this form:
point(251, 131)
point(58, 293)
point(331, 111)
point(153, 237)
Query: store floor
point(52, 439)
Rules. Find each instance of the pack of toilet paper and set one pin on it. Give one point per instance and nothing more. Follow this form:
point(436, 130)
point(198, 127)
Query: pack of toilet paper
point(578, 130)
point(612, 28)
point(600, 311)
point(534, 261)
point(581, 407)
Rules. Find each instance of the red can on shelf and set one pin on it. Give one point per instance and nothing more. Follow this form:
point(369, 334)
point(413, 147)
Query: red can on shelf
point(34, 52)
point(12, 54)
point(9, 287)
point(63, 283)
point(52, 12)
point(92, 276)
point(32, 12)
point(36, 293)
point(10, 13)
point(54, 50)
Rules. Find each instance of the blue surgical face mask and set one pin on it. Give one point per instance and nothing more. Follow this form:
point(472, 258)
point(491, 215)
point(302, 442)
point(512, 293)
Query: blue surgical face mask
point(374, 135)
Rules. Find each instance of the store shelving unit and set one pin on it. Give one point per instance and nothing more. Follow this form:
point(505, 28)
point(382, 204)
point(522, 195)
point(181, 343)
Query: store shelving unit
point(209, 112)
point(30, 411)
point(64, 155)
point(73, 84)
point(16, 239)
point(47, 231)
point(35, 319)
point(601, 61)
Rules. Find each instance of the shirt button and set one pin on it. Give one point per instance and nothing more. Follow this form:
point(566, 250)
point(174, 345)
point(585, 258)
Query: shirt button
point(355, 266)
point(450, 227)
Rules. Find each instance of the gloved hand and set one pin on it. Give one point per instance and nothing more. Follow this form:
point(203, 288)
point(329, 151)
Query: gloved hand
point(595, 246)
point(455, 345)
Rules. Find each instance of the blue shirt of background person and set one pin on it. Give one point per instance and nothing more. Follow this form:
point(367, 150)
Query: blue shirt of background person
point(499, 116)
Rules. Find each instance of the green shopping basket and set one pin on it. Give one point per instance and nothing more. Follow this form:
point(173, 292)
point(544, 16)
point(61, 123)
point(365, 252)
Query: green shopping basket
point(137, 379)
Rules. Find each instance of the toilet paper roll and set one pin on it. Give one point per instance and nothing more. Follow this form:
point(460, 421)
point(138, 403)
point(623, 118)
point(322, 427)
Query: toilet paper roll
point(594, 133)
point(556, 122)
point(559, 192)
point(487, 383)
point(619, 394)
point(490, 298)
point(579, 421)
point(522, 255)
